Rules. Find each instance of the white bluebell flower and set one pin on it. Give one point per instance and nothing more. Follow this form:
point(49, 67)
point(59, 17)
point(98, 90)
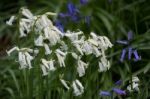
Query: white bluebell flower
point(47, 49)
point(24, 58)
point(81, 67)
point(104, 65)
point(135, 84)
point(47, 66)
point(61, 57)
point(78, 88)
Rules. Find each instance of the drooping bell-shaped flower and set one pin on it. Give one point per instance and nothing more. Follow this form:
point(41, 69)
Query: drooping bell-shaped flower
point(24, 58)
point(81, 67)
point(119, 91)
point(61, 57)
point(104, 64)
point(78, 88)
point(47, 66)
point(134, 85)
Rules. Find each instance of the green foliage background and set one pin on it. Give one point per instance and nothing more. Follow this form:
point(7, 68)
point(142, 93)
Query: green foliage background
point(111, 19)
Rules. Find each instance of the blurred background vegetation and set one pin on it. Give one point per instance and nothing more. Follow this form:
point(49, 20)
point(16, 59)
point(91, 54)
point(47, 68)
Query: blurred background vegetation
point(113, 18)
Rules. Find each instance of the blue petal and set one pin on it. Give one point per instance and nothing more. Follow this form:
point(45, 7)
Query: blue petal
point(123, 55)
point(105, 93)
point(130, 35)
point(59, 26)
point(122, 42)
point(119, 82)
point(119, 91)
point(129, 52)
point(72, 9)
point(137, 57)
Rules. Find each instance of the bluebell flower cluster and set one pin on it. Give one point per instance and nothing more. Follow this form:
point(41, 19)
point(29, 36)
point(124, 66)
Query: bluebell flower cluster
point(129, 50)
point(73, 14)
point(114, 89)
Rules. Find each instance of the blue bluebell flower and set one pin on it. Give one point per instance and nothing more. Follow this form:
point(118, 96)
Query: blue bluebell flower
point(59, 25)
point(105, 93)
point(137, 57)
point(114, 89)
point(72, 9)
point(119, 91)
point(129, 49)
point(72, 15)
point(83, 2)
point(119, 82)
point(123, 55)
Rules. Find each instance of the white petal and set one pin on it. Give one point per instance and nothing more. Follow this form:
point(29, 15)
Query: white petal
point(76, 91)
point(47, 49)
point(107, 41)
point(44, 70)
point(51, 65)
point(96, 51)
point(134, 87)
point(78, 48)
point(45, 63)
point(60, 52)
point(64, 83)
point(80, 85)
point(74, 55)
point(27, 13)
point(81, 68)
point(11, 50)
point(93, 42)
point(135, 79)
point(61, 60)
point(102, 68)
point(39, 41)
point(10, 21)
point(29, 58)
point(22, 60)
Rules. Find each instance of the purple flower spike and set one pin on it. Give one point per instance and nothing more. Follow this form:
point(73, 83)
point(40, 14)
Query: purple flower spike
point(122, 42)
point(83, 2)
point(130, 35)
point(119, 82)
point(72, 9)
point(119, 91)
point(123, 55)
point(105, 93)
point(129, 53)
point(137, 57)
